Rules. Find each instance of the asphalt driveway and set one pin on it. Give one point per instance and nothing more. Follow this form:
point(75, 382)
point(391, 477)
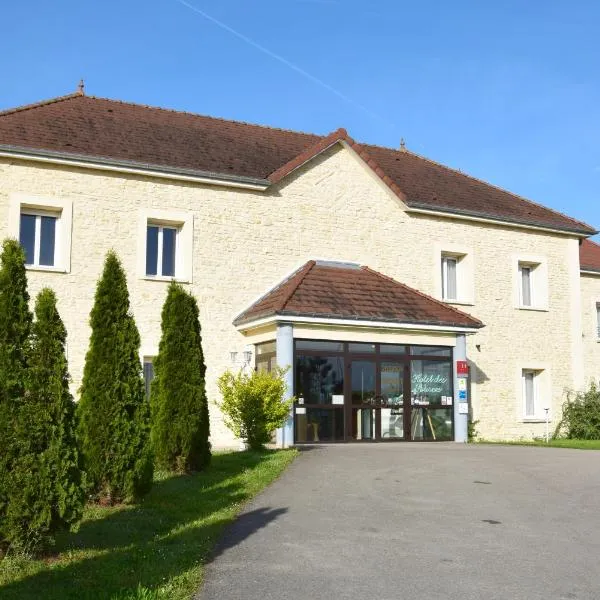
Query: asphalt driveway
point(403, 521)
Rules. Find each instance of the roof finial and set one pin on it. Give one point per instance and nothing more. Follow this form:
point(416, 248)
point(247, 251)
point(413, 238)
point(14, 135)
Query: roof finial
point(81, 88)
point(402, 145)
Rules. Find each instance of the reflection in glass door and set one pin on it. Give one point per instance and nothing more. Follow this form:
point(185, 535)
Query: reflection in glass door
point(392, 400)
point(362, 396)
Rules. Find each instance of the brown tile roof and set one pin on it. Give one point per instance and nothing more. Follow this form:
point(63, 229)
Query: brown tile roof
point(343, 291)
point(97, 127)
point(589, 256)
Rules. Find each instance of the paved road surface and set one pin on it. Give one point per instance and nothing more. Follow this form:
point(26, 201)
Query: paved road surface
point(431, 521)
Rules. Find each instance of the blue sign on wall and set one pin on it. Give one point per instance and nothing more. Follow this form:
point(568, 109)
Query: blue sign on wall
point(462, 395)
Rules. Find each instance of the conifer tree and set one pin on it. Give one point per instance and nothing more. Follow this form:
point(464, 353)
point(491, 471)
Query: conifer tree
point(180, 421)
point(15, 325)
point(46, 493)
point(113, 412)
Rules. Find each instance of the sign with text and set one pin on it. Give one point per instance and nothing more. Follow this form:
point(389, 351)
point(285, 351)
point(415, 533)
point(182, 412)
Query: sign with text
point(462, 368)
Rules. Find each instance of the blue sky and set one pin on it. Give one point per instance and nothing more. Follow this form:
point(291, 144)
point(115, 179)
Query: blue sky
point(506, 91)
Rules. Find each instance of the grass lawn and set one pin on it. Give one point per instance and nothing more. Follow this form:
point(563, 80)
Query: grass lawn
point(579, 444)
point(153, 550)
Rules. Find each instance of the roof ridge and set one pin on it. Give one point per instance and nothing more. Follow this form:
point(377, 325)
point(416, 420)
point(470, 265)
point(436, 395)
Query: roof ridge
point(56, 99)
point(300, 275)
point(423, 295)
point(477, 179)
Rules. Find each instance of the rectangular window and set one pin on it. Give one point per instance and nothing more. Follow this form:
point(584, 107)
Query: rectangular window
point(530, 393)
point(525, 284)
point(37, 235)
point(148, 374)
point(449, 287)
point(598, 320)
point(161, 250)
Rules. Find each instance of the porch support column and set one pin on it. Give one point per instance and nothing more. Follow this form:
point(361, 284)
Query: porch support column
point(461, 418)
point(284, 346)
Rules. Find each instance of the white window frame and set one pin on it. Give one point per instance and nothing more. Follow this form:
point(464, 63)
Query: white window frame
point(535, 390)
point(159, 250)
point(597, 316)
point(150, 360)
point(37, 236)
point(183, 222)
point(21, 203)
point(465, 284)
point(538, 282)
point(445, 282)
point(532, 295)
point(541, 389)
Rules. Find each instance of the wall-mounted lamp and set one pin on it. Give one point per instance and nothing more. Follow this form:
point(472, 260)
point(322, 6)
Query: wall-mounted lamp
point(233, 357)
point(247, 356)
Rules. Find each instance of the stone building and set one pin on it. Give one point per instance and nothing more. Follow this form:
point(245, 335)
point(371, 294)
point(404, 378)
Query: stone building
point(405, 296)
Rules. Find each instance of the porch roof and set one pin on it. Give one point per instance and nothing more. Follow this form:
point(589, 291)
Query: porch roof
point(331, 290)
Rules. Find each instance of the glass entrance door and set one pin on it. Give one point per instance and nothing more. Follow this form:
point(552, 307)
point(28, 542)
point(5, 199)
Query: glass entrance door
point(348, 391)
point(362, 411)
point(392, 412)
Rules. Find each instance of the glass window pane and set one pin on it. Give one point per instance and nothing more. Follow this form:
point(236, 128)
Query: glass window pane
point(27, 237)
point(148, 376)
point(319, 345)
point(431, 424)
point(265, 348)
point(430, 382)
point(319, 425)
point(263, 365)
point(431, 351)
point(47, 240)
point(363, 381)
point(362, 348)
point(392, 349)
point(526, 286)
point(318, 378)
point(151, 249)
point(529, 394)
point(598, 320)
point(168, 249)
point(363, 423)
point(392, 384)
point(392, 423)
point(451, 278)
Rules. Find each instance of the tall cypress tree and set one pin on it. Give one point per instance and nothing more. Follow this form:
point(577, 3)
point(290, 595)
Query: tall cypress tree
point(180, 421)
point(114, 415)
point(15, 325)
point(46, 493)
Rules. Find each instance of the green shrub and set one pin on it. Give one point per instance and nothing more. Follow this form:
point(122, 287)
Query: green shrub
point(581, 416)
point(253, 404)
point(113, 412)
point(180, 422)
point(15, 326)
point(46, 493)
point(472, 431)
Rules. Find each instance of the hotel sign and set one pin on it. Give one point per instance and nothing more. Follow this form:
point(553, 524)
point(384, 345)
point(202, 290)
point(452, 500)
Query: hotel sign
point(462, 368)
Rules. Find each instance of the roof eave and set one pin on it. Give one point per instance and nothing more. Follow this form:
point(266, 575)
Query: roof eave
point(133, 167)
point(349, 321)
point(419, 207)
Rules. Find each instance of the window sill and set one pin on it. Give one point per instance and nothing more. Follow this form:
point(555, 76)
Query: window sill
point(46, 269)
point(164, 279)
point(535, 419)
point(460, 302)
point(533, 308)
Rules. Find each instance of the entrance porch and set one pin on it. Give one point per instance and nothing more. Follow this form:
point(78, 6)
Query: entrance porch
point(368, 358)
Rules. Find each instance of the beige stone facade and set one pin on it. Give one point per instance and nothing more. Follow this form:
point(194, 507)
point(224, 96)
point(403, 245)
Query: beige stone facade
point(242, 242)
point(590, 300)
